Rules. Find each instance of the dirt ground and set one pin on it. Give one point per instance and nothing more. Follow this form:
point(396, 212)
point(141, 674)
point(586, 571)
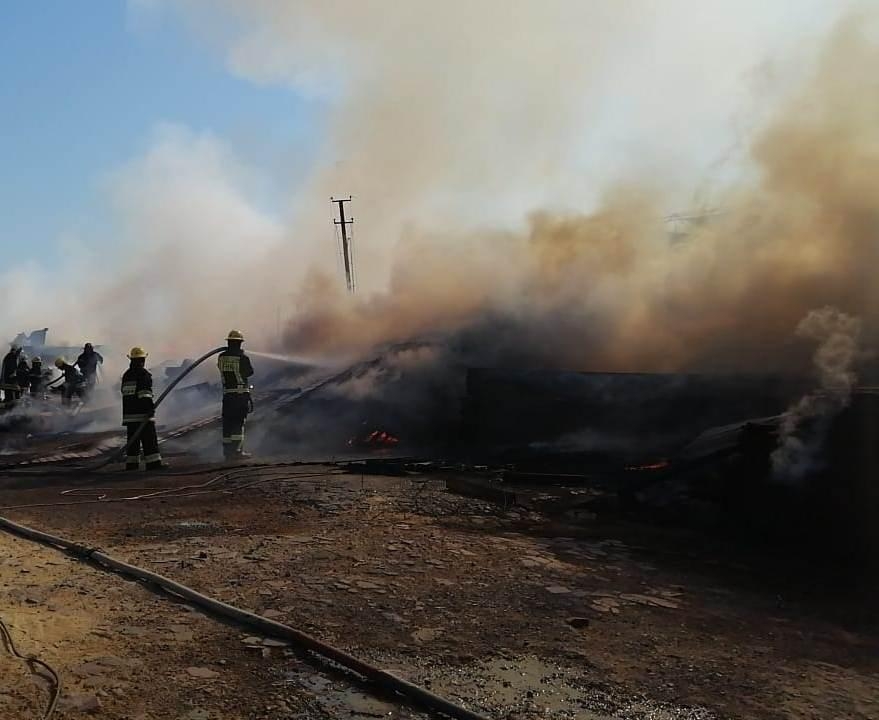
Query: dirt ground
point(507, 611)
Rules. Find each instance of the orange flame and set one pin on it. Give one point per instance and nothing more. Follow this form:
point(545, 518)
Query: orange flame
point(377, 438)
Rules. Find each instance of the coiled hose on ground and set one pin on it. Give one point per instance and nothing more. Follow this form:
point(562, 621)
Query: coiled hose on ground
point(35, 664)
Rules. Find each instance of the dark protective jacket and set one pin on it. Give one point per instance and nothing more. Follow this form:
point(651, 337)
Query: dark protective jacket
point(10, 366)
point(72, 376)
point(38, 377)
point(235, 369)
point(88, 362)
point(22, 374)
point(137, 395)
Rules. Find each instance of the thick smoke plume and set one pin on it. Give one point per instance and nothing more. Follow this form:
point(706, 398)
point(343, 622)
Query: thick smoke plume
point(608, 290)
point(512, 165)
point(805, 425)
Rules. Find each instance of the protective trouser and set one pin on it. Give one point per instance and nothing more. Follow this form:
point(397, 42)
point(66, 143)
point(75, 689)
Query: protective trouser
point(10, 393)
point(89, 382)
point(236, 406)
point(148, 441)
point(70, 391)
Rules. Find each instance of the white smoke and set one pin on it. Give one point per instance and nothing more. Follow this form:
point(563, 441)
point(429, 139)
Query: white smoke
point(180, 263)
point(804, 426)
point(471, 113)
point(451, 116)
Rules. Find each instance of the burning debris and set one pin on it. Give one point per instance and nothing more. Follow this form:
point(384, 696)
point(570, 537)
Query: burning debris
point(629, 419)
point(377, 439)
point(572, 366)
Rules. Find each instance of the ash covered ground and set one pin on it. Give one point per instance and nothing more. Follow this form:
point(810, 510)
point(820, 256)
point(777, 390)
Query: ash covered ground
point(519, 613)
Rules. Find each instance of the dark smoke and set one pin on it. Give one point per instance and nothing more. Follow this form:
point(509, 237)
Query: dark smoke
point(607, 290)
point(805, 425)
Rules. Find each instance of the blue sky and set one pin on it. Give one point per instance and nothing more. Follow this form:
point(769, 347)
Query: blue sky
point(84, 85)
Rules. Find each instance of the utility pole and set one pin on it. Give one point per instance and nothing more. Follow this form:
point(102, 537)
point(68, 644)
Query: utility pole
point(347, 254)
point(682, 224)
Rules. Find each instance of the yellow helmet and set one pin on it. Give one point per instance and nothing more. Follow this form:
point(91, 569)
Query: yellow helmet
point(235, 335)
point(137, 353)
point(60, 362)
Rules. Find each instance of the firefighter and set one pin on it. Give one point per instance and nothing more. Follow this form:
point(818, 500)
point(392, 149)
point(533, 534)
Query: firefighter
point(137, 409)
point(88, 362)
point(235, 371)
point(10, 365)
point(73, 382)
point(8, 375)
point(22, 374)
point(37, 376)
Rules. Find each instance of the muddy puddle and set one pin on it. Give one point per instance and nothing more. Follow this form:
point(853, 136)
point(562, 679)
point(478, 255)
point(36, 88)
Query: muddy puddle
point(505, 688)
point(527, 687)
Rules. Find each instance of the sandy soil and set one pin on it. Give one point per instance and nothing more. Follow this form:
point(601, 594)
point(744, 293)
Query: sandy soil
point(506, 611)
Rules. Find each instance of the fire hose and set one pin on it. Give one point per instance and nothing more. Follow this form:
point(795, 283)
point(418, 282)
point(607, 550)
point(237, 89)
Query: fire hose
point(413, 693)
point(384, 679)
point(120, 452)
point(16, 468)
point(140, 428)
point(99, 495)
point(33, 663)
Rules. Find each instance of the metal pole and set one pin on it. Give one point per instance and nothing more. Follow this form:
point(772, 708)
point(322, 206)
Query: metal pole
point(346, 251)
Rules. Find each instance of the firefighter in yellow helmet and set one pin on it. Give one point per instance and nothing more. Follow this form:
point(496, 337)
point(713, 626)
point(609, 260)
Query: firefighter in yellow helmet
point(73, 381)
point(235, 371)
point(137, 409)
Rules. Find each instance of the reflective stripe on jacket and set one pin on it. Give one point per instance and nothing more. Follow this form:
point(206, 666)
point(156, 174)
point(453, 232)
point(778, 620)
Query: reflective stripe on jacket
point(137, 395)
point(235, 369)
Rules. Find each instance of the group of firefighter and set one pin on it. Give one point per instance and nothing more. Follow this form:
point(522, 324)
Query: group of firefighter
point(138, 405)
point(20, 378)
